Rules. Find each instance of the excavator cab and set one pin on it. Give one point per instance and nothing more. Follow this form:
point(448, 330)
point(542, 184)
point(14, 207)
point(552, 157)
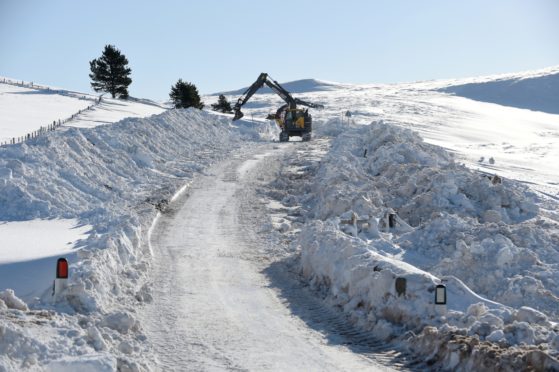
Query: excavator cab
point(293, 121)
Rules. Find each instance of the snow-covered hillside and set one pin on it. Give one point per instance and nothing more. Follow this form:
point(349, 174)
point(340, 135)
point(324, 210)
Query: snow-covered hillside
point(297, 86)
point(538, 90)
point(26, 107)
point(516, 143)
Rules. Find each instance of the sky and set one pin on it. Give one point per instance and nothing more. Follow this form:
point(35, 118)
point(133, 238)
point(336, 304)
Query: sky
point(222, 45)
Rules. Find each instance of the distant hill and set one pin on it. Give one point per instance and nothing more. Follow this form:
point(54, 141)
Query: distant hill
point(538, 91)
point(297, 86)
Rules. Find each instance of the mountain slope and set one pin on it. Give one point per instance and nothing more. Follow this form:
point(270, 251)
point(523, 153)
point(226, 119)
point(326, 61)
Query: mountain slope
point(535, 91)
point(296, 86)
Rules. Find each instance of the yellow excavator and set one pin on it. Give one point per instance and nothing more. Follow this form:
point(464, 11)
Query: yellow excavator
point(293, 121)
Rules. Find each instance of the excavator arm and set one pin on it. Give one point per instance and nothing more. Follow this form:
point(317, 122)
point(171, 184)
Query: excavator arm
point(308, 104)
point(277, 88)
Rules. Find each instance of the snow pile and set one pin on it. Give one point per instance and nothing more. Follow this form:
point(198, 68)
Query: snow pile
point(332, 127)
point(115, 178)
point(384, 205)
point(8, 300)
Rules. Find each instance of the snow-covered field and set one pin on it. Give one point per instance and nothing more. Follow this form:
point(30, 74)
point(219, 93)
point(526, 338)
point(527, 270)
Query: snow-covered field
point(27, 107)
point(417, 184)
point(112, 110)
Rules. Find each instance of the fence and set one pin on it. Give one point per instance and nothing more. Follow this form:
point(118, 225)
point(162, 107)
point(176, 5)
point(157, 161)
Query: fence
point(56, 123)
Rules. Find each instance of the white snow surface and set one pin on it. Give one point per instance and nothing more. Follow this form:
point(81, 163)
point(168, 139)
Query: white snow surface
point(487, 242)
point(30, 250)
point(452, 221)
point(225, 313)
point(114, 178)
point(111, 110)
point(24, 240)
point(475, 206)
point(472, 189)
point(523, 142)
point(536, 90)
point(25, 107)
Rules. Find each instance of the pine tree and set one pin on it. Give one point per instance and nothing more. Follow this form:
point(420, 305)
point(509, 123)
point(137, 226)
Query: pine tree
point(222, 105)
point(184, 95)
point(110, 73)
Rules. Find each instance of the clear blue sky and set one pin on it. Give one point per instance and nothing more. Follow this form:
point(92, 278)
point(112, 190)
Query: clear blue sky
point(224, 45)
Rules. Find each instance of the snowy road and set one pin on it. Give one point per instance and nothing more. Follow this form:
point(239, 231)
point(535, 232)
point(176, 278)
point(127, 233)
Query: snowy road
point(213, 309)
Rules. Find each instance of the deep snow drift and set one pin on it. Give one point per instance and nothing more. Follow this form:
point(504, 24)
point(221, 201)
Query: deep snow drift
point(477, 212)
point(115, 178)
point(483, 237)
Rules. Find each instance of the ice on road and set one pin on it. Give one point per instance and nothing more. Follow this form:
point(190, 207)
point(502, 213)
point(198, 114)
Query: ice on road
point(213, 309)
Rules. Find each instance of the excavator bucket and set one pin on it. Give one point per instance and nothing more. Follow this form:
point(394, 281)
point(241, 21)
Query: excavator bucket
point(238, 115)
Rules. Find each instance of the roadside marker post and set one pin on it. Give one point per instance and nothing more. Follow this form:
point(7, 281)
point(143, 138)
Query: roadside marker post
point(400, 285)
point(440, 299)
point(440, 295)
point(61, 277)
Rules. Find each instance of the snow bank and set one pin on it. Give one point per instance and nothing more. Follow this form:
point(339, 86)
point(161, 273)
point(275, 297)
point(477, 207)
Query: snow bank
point(384, 205)
point(115, 178)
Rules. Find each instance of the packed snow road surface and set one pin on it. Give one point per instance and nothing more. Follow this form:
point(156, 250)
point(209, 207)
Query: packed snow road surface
point(213, 308)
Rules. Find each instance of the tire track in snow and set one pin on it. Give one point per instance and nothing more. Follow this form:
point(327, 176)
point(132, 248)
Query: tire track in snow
point(213, 307)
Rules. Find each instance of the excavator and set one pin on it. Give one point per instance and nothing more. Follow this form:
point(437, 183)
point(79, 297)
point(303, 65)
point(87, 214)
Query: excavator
point(293, 121)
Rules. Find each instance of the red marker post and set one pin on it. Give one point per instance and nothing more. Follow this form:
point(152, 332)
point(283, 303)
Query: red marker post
point(62, 268)
point(61, 277)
